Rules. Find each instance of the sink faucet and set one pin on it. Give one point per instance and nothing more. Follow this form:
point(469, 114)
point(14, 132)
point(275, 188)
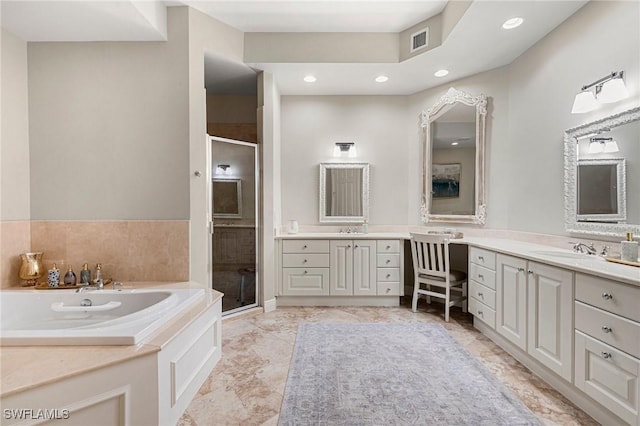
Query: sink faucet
point(583, 248)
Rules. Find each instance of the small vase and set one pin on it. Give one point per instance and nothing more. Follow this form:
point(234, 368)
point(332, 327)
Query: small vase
point(31, 268)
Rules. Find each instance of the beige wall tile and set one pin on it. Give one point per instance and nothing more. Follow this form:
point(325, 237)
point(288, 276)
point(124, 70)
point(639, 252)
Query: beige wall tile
point(15, 238)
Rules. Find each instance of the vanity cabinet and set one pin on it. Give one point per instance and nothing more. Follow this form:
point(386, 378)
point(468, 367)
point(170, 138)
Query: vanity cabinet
point(534, 311)
point(482, 285)
point(354, 268)
point(607, 344)
point(341, 267)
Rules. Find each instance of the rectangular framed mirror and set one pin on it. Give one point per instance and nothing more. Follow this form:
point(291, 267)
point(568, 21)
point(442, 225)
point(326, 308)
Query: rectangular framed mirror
point(344, 192)
point(227, 198)
point(602, 176)
point(453, 159)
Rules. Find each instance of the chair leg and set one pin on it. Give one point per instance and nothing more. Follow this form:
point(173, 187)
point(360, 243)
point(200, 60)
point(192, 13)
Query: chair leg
point(414, 301)
point(446, 303)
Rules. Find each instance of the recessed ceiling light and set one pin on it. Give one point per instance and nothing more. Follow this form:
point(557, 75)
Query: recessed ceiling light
point(310, 79)
point(441, 73)
point(512, 23)
point(381, 78)
point(454, 143)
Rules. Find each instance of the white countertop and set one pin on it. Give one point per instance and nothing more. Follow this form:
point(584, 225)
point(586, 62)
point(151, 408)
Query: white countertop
point(563, 258)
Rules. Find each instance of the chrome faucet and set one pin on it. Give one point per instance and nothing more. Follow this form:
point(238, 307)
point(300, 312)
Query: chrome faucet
point(583, 248)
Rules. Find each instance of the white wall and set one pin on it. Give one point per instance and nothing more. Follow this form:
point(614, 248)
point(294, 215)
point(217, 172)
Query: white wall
point(310, 127)
point(109, 128)
point(14, 157)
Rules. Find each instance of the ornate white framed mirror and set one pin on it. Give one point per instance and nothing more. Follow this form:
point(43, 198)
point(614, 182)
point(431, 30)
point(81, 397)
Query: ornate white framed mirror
point(344, 192)
point(453, 175)
point(603, 200)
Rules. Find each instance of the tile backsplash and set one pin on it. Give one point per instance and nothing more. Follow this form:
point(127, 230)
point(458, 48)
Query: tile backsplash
point(154, 250)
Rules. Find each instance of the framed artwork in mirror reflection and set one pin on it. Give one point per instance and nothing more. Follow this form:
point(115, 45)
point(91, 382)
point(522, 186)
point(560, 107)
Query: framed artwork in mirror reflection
point(445, 180)
point(227, 198)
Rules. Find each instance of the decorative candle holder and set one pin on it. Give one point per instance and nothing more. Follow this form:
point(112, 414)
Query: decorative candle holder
point(31, 268)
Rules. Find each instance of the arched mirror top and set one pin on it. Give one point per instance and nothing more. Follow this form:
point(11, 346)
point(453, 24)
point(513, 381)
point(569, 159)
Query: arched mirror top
point(453, 159)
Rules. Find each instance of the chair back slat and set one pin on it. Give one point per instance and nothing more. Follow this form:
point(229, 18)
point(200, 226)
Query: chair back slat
point(430, 254)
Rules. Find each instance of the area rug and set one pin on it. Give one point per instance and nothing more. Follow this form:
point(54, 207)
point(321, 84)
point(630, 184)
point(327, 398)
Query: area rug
point(392, 374)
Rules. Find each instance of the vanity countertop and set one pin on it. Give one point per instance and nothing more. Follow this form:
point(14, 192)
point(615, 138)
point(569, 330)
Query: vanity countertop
point(26, 367)
point(563, 258)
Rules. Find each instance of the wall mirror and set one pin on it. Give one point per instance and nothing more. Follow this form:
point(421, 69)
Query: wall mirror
point(227, 198)
point(602, 176)
point(344, 192)
point(453, 159)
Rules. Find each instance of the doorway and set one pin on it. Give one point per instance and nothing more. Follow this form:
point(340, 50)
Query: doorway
point(235, 200)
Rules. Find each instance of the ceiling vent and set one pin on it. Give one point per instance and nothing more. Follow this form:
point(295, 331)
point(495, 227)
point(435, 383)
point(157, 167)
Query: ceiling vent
point(420, 39)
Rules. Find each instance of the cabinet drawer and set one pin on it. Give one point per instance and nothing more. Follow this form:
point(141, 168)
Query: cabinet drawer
point(388, 274)
point(482, 294)
point(305, 281)
point(613, 330)
point(612, 296)
point(482, 257)
point(388, 260)
point(482, 312)
point(305, 246)
point(388, 288)
point(388, 246)
point(310, 260)
point(484, 276)
point(607, 375)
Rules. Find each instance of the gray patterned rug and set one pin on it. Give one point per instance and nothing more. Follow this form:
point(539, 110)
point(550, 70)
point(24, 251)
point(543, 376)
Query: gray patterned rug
point(392, 374)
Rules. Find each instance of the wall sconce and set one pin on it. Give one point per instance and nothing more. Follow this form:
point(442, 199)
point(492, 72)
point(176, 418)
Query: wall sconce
point(223, 169)
point(607, 90)
point(345, 147)
point(598, 145)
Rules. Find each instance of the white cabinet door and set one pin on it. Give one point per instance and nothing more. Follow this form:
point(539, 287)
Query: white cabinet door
point(364, 268)
point(341, 268)
point(550, 313)
point(511, 299)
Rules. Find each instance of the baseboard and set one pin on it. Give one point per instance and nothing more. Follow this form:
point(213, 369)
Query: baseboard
point(575, 395)
point(386, 301)
point(270, 305)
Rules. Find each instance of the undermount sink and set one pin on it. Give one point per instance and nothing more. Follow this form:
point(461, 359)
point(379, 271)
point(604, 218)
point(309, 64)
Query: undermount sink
point(566, 254)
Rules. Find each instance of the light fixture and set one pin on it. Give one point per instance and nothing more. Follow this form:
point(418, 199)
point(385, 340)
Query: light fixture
point(512, 23)
point(223, 169)
point(441, 73)
point(608, 89)
point(310, 78)
point(455, 143)
point(598, 145)
point(348, 148)
point(382, 79)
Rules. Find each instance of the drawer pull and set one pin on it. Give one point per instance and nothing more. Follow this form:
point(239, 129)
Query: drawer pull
point(480, 313)
point(304, 246)
point(356, 246)
point(481, 277)
point(388, 290)
point(388, 275)
point(388, 261)
point(304, 261)
point(481, 295)
point(348, 245)
point(530, 272)
point(607, 296)
point(481, 258)
point(388, 247)
point(605, 355)
point(305, 272)
point(607, 329)
point(520, 269)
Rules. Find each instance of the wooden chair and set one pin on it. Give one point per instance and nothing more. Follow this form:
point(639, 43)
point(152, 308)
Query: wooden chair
point(431, 269)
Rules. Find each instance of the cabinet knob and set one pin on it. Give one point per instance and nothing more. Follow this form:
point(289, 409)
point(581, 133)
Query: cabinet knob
point(388, 247)
point(388, 275)
point(481, 277)
point(480, 313)
point(304, 261)
point(520, 269)
point(481, 258)
point(481, 295)
point(530, 272)
point(388, 290)
point(304, 246)
point(607, 329)
point(607, 296)
point(356, 246)
point(305, 272)
point(349, 246)
point(388, 261)
point(605, 355)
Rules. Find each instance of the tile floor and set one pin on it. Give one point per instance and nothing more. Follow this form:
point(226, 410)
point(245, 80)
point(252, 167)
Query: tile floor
point(247, 385)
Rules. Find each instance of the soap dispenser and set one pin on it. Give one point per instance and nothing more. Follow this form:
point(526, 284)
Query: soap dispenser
point(629, 249)
point(70, 277)
point(54, 276)
point(85, 275)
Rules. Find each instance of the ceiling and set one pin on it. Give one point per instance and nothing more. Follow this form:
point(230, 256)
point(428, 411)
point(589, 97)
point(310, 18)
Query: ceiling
point(477, 42)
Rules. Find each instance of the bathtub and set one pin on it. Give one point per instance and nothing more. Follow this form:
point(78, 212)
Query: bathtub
point(99, 317)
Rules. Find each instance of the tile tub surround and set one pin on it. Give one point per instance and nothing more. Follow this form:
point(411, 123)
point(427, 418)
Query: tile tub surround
point(15, 238)
point(139, 250)
point(247, 385)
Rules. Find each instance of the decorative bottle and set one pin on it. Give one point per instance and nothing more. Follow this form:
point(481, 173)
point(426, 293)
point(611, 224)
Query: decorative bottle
point(70, 277)
point(54, 276)
point(629, 249)
point(85, 275)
